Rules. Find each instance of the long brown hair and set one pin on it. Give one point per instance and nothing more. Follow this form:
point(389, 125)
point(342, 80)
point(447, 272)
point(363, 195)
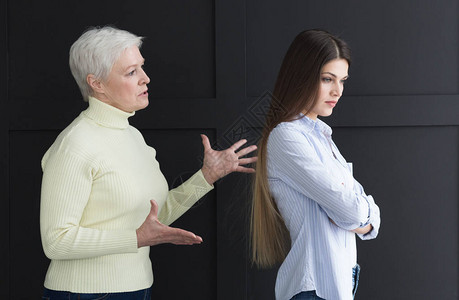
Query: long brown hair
point(295, 92)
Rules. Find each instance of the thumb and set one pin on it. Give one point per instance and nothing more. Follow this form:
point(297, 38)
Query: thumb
point(205, 142)
point(153, 209)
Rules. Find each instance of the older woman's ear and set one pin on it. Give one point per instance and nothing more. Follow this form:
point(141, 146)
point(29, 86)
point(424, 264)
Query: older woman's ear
point(94, 83)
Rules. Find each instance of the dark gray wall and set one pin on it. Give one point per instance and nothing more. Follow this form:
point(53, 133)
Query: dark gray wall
point(212, 65)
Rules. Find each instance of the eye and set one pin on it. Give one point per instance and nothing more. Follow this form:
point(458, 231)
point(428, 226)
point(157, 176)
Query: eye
point(131, 73)
point(326, 79)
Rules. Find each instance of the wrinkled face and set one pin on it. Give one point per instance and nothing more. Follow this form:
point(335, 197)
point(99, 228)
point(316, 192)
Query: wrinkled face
point(332, 78)
point(126, 85)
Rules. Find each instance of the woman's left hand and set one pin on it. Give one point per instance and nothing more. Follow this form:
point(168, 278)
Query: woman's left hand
point(218, 164)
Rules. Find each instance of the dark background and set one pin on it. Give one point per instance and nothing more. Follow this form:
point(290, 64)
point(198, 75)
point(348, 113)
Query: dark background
point(212, 65)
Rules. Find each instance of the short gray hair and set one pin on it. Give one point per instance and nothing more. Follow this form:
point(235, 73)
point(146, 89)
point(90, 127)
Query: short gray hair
point(96, 51)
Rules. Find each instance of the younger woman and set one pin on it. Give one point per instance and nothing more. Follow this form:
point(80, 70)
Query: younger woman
point(307, 206)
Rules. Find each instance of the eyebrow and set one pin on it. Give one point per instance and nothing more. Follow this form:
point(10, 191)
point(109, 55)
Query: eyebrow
point(135, 65)
point(329, 73)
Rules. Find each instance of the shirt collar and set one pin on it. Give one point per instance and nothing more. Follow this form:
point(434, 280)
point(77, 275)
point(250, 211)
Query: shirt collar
point(317, 124)
point(107, 115)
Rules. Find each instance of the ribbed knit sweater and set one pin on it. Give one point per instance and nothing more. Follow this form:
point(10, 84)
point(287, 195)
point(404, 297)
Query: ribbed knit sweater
point(98, 178)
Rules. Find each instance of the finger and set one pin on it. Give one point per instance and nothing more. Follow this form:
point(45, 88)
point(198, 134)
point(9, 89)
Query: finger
point(196, 240)
point(249, 160)
point(154, 208)
point(245, 170)
point(246, 151)
point(238, 144)
point(205, 142)
point(182, 237)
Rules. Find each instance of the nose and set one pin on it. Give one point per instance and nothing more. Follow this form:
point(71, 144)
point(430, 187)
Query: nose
point(144, 79)
point(337, 89)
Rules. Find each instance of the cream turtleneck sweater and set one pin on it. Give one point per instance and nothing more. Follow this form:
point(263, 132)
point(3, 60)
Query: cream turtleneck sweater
point(98, 178)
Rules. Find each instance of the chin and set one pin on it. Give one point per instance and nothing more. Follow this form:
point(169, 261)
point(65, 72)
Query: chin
point(327, 114)
point(143, 105)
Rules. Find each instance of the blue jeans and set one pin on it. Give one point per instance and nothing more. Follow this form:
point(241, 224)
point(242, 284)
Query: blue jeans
point(60, 295)
point(355, 279)
point(311, 295)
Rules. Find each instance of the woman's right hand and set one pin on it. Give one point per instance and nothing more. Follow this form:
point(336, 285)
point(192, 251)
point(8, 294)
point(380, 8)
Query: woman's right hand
point(363, 230)
point(152, 232)
point(359, 230)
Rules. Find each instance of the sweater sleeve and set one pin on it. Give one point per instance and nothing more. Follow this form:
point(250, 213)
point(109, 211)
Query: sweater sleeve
point(66, 188)
point(182, 198)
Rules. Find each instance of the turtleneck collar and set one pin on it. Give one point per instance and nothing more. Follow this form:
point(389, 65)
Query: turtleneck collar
point(107, 115)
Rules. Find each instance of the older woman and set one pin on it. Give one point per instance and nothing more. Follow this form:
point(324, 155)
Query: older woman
point(98, 217)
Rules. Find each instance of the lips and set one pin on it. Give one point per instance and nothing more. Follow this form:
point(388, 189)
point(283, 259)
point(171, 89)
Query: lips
point(144, 93)
point(331, 103)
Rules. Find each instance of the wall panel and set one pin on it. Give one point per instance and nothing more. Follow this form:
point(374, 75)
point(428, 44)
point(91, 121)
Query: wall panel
point(4, 159)
point(179, 49)
point(413, 174)
point(29, 263)
point(399, 48)
point(179, 153)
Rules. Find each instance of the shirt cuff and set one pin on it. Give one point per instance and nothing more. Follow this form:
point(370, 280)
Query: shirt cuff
point(375, 221)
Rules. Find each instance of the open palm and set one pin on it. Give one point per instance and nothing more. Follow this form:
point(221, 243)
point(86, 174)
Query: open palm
point(218, 164)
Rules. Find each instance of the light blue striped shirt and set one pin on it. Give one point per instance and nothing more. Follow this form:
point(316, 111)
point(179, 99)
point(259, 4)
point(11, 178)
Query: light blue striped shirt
point(312, 183)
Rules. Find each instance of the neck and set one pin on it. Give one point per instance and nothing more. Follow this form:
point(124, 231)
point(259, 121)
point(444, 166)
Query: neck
point(310, 115)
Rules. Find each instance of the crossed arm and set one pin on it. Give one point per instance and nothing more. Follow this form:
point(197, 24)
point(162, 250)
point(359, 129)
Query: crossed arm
point(296, 162)
point(359, 230)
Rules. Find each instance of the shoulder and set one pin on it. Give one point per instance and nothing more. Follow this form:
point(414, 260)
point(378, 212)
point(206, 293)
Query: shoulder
point(296, 138)
point(286, 129)
point(78, 139)
point(79, 135)
point(136, 133)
